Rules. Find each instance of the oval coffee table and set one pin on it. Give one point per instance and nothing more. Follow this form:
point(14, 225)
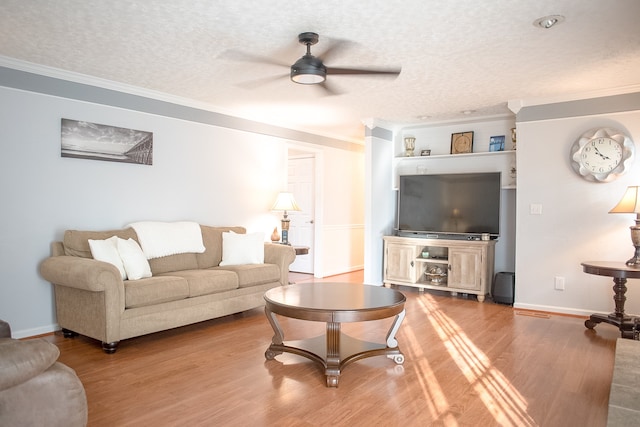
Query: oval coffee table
point(334, 303)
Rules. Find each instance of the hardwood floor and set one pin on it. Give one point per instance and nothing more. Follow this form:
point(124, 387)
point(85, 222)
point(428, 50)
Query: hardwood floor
point(467, 364)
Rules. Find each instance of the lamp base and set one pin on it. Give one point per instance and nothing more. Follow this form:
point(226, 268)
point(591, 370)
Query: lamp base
point(285, 229)
point(285, 237)
point(635, 240)
point(635, 261)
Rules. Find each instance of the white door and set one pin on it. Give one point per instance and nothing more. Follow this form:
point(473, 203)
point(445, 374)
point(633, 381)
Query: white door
point(301, 182)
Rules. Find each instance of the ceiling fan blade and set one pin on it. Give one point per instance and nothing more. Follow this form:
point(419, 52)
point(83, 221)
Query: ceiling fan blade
point(356, 71)
point(252, 84)
point(328, 89)
point(237, 55)
point(334, 46)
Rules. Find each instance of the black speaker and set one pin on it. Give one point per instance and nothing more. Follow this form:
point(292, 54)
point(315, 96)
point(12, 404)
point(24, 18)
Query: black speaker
point(503, 287)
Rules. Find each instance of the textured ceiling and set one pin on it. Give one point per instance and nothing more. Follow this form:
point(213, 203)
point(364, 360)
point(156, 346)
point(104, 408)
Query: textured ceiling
point(464, 55)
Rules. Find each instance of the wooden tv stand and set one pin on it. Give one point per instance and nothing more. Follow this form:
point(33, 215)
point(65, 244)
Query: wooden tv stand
point(464, 266)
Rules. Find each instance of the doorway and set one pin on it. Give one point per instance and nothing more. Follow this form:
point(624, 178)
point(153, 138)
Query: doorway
point(301, 182)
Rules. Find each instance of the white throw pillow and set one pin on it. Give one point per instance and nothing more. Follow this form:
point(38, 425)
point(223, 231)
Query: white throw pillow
point(107, 251)
point(239, 249)
point(135, 263)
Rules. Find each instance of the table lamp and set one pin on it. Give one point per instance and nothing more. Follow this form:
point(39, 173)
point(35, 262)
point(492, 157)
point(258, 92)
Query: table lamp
point(285, 202)
point(630, 203)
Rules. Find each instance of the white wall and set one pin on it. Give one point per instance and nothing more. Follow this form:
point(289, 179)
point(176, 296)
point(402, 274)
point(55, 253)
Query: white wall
point(379, 202)
point(210, 174)
point(575, 225)
point(343, 215)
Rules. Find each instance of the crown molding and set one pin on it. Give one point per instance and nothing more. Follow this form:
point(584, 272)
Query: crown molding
point(84, 79)
point(517, 104)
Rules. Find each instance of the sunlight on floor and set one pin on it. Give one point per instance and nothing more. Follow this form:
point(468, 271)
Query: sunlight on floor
point(502, 400)
point(435, 398)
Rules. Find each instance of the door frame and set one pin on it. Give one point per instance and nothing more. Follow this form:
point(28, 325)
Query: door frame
point(300, 149)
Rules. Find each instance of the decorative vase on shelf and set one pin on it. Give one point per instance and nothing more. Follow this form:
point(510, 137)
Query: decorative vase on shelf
point(409, 146)
point(275, 237)
point(513, 138)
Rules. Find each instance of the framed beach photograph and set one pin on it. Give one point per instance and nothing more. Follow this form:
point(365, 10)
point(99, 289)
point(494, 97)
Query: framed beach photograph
point(86, 140)
point(496, 143)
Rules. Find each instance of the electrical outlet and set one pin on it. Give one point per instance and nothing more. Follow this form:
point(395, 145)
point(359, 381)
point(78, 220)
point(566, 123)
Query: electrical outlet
point(535, 209)
point(559, 283)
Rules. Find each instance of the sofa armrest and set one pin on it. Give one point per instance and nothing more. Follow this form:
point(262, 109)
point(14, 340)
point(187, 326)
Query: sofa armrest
point(89, 295)
point(5, 329)
point(282, 256)
point(81, 273)
point(22, 360)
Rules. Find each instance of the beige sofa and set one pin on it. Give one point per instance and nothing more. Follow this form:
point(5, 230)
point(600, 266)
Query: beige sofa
point(92, 299)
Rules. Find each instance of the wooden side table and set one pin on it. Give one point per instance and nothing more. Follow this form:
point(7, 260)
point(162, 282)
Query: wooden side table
point(301, 250)
point(628, 325)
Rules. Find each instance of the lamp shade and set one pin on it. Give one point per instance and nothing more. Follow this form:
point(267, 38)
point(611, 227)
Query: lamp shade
point(630, 202)
point(285, 202)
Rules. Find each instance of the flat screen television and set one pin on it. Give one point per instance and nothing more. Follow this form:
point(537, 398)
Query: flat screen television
point(463, 205)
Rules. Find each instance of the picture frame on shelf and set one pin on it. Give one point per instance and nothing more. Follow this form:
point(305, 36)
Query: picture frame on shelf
point(462, 142)
point(425, 152)
point(496, 143)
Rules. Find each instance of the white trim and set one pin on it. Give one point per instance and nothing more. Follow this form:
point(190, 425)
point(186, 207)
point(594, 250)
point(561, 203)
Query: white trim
point(517, 104)
point(28, 333)
point(554, 309)
point(351, 269)
point(85, 79)
point(318, 220)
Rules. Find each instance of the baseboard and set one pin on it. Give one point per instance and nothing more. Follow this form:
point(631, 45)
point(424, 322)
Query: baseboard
point(554, 309)
point(29, 333)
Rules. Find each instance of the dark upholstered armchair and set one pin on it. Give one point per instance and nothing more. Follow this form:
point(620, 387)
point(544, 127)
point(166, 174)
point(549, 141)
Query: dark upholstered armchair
point(35, 389)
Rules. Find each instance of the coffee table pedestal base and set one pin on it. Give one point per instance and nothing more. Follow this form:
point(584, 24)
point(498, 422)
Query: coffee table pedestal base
point(334, 350)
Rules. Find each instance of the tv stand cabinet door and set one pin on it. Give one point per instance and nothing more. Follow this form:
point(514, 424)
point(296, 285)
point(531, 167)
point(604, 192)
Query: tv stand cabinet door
point(399, 263)
point(465, 265)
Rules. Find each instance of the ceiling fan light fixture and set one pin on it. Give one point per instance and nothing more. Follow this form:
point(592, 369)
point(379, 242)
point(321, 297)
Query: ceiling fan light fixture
point(308, 70)
point(309, 77)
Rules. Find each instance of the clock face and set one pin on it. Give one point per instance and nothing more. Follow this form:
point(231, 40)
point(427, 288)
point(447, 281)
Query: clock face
point(602, 154)
point(462, 144)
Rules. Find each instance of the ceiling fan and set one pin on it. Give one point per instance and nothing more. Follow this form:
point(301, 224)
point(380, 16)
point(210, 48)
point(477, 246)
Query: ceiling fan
point(311, 70)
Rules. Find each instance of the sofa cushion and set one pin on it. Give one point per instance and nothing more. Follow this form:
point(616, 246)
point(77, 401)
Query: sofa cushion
point(253, 274)
point(154, 290)
point(171, 263)
point(76, 242)
point(203, 282)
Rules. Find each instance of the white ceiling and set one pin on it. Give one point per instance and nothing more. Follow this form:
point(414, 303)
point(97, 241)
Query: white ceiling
point(459, 55)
